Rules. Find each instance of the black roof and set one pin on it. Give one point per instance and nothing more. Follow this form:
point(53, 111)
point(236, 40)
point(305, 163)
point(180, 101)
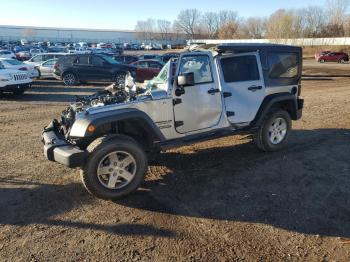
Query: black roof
point(252, 47)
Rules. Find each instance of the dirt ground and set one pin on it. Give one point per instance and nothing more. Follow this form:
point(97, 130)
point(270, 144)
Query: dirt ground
point(221, 200)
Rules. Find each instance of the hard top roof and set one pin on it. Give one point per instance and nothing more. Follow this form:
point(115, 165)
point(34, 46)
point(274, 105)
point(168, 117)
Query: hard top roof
point(251, 47)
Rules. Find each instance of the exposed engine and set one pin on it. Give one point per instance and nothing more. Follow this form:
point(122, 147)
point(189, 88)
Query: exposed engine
point(113, 94)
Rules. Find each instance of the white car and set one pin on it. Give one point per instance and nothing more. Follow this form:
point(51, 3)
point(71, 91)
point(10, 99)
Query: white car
point(39, 59)
point(46, 68)
point(7, 54)
point(18, 65)
point(13, 81)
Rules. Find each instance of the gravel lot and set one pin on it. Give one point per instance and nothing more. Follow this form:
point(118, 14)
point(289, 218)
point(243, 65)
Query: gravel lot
point(221, 200)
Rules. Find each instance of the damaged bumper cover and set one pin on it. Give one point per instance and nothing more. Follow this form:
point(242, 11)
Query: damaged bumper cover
point(58, 149)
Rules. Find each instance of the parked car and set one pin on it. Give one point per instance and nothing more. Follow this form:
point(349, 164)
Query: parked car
point(93, 67)
point(147, 69)
point(125, 59)
point(23, 55)
point(18, 65)
point(150, 56)
point(39, 59)
point(244, 88)
point(7, 54)
point(46, 68)
point(36, 51)
point(339, 57)
point(13, 81)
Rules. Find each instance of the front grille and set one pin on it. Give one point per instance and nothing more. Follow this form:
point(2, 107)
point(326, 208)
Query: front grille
point(20, 77)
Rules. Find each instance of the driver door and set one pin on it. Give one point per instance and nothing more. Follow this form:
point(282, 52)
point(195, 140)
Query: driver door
point(200, 106)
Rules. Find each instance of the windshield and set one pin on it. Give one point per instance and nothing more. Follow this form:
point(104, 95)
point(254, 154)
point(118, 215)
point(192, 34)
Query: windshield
point(162, 77)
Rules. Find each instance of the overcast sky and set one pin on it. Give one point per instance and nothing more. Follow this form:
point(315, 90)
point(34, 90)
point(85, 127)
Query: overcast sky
point(108, 14)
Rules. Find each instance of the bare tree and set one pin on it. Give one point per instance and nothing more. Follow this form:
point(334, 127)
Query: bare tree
point(211, 24)
point(188, 22)
point(227, 17)
point(164, 29)
point(145, 30)
point(253, 27)
point(228, 30)
point(315, 19)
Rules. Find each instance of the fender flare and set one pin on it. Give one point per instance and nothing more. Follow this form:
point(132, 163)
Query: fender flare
point(272, 100)
point(79, 128)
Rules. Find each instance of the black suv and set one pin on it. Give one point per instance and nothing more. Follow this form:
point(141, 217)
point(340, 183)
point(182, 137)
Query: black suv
point(91, 67)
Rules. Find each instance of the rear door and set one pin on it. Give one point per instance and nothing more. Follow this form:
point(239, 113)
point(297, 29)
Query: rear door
point(100, 69)
point(243, 86)
point(82, 67)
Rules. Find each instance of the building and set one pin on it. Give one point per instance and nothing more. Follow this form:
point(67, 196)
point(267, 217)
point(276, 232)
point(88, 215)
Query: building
point(15, 33)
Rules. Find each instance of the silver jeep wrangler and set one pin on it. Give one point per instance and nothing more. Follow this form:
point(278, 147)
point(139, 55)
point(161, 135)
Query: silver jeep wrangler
point(204, 94)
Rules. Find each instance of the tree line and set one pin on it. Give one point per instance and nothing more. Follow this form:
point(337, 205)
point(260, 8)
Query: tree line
point(331, 20)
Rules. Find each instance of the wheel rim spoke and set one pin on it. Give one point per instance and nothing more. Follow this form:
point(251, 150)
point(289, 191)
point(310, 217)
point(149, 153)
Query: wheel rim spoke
point(113, 159)
point(278, 130)
point(126, 161)
point(126, 175)
point(112, 181)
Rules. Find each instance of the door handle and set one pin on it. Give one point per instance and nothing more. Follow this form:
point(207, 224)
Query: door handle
point(254, 88)
point(212, 91)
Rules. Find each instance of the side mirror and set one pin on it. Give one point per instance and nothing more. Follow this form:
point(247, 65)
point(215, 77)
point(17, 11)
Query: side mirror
point(185, 80)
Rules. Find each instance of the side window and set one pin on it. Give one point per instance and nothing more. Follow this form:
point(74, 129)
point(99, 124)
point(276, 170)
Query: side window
point(142, 64)
point(37, 58)
point(82, 60)
point(199, 65)
point(97, 61)
point(240, 68)
point(283, 65)
point(154, 65)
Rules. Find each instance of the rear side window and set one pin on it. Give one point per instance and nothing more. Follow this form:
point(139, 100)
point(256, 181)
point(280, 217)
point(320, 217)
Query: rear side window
point(283, 65)
point(82, 60)
point(240, 69)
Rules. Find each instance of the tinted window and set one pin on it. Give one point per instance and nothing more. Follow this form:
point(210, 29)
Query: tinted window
point(38, 58)
point(142, 64)
point(240, 69)
point(283, 65)
point(153, 64)
point(97, 61)
point(83, 60)
point(199, 65)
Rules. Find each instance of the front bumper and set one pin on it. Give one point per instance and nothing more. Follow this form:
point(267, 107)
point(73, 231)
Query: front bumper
point(58, 149)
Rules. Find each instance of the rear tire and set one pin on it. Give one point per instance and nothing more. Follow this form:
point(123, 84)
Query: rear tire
point(274, 131)
point(321, 61)
point(115, 167)
point(69, 79)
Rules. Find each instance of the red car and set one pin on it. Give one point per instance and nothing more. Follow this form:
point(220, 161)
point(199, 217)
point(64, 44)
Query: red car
point(147, 69)
point(339, 57)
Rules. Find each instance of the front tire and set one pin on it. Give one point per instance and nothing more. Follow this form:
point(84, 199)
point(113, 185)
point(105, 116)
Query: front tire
point(115, 167)
point(274, 131)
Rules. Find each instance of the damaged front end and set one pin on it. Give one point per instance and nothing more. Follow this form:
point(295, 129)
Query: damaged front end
point(58, 145)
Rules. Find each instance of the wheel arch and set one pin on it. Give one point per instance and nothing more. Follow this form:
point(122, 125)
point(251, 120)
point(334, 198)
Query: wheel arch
point(130, 122)
point(285, 101)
